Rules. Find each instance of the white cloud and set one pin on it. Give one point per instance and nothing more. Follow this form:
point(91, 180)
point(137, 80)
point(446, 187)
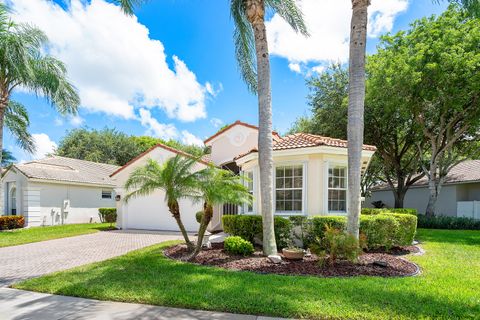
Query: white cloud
point(295, 67)
point(190, 139)
point(318, 69)
point(155, 128)
point(113, 62)
point(216, 122)
point(213, 90)
point(328, 22)
point(76, 120)
point(44, 145)
point(58, 121)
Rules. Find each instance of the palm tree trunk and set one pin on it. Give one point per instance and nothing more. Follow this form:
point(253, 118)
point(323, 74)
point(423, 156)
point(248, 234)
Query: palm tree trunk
point(256, 16)
point(356, 97)
point(207, 217)
point(3, 106)
point(174, 209)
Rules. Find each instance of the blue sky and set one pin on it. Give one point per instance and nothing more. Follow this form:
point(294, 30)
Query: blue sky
point(170, 70)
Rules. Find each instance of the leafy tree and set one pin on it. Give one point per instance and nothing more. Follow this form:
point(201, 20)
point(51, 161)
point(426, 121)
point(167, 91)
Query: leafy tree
point(23, 63)
point(251, 48)
point(217, 186)
point(175, 177)
point(145, 142)
point(105, 146)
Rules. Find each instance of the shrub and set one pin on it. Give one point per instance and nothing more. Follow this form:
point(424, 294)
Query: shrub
point(11, 222)
point(319, 223)
point(372, 211)
point(249, 227)
point(108, 215)
point(406, 229)
point(445, 222)
point(380, 230)
point(238, 245)
point(199, 216)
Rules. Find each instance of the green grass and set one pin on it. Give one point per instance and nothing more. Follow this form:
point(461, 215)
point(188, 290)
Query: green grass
point(35, 234)
point(448, 288)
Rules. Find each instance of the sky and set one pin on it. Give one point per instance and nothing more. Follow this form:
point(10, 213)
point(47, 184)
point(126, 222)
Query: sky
point(169, 70)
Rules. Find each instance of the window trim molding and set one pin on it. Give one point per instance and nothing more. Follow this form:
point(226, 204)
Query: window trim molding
point(304, 165)
point(327, 165)
point(244, 207)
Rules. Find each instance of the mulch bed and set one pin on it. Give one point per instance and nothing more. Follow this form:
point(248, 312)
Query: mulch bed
point(395, 266)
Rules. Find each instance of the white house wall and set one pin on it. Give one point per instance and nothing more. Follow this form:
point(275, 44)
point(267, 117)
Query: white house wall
point(20, 182)
point(233, 142)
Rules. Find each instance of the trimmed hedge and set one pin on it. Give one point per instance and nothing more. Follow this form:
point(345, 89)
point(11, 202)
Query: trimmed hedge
point(249, 227)
point(381, 230)
point(238, 245)
point(370, 211)
point(107, 215)
point(11, 222)
point(445, 222)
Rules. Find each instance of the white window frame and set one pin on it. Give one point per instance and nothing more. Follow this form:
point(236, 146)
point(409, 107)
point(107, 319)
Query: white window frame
point(111, 195)
point(245, 205)
point(328, 165)
point(304, 188)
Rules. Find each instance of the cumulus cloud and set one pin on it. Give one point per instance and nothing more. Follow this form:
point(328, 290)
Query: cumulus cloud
point(155, 128)
point(44, 145)
point(216, 122)
point(295, 67)
point(191, 139)
point(328, 22)
point(76, 120)
point(113, 62)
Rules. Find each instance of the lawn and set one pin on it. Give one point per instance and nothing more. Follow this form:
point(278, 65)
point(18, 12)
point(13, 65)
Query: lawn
point(448, 288)
point(35, 234)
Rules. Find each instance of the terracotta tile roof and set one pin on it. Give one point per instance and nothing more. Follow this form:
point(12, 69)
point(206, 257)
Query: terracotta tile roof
point(306, 140)
point(464, 172)
point(276, 136)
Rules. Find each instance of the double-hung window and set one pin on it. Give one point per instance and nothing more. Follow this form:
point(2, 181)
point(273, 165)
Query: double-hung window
point(248, 208)
point(289, 189)
point(337, 189)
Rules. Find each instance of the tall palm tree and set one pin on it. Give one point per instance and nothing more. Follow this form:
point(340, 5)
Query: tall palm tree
point(175, 177)
point(24, 64)
point(217, 186)
point(356, 99)
point(251, 46)
point(7, 158)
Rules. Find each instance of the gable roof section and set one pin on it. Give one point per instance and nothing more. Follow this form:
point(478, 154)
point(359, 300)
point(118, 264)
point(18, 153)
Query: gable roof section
point(64, 169)
point(306, 140)
point(238, 123)
point(159, 145)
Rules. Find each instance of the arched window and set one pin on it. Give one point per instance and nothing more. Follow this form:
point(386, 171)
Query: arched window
point(13, 201)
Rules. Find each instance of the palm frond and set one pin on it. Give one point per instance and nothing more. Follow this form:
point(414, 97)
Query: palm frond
point(471, 7)
point(290, 12)
point(16, 121)
point(129, 5)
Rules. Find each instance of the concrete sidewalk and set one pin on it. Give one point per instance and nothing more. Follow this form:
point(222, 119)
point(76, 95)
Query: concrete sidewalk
point(19, 304)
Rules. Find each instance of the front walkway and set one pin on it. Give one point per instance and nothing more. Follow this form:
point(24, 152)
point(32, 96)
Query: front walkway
point(19, 304)
point(35, 259)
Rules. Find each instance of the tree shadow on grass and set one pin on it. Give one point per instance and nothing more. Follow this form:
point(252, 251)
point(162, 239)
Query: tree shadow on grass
point(147, 277)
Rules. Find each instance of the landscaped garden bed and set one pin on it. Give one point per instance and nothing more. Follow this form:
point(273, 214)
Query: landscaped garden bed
point(369, 264)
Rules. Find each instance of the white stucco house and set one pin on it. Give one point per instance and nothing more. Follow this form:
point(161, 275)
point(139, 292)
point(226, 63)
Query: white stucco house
point(310, 177)
point(57, 190)
point(459, 196)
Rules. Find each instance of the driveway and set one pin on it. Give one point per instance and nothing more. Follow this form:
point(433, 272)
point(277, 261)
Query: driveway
point(35, 259)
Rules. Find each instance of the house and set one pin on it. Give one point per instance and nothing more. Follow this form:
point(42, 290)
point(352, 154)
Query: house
point(310, 177)
point(459, 195)
point(57, 190)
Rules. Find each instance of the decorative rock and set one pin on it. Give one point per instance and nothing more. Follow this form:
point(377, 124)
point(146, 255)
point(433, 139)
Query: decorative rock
point(380, 263)
point(415, 242)
point(275, 258)
point(218, 238)
point(308, 253)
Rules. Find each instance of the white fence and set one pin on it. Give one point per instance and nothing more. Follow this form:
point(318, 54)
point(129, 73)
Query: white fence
point(468, 209)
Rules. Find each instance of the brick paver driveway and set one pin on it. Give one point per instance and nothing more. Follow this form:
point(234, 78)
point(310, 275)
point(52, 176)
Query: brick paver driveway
point(36, 259)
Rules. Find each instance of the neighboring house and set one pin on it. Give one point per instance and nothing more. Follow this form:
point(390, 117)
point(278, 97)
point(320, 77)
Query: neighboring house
point(310, 177)
point(57, 190)
point(459, 195)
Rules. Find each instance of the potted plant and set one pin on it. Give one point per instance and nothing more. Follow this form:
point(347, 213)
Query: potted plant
point(293, 253)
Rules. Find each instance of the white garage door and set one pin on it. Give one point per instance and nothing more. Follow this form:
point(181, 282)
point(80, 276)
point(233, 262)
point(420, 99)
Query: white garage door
point(151, 213)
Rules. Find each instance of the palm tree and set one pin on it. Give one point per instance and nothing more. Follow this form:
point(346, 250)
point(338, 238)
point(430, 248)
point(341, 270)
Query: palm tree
point(217, 186)
point(7, 158)
point(175, 177)
point(356, 99)
point(24, 64)
point(251, 45)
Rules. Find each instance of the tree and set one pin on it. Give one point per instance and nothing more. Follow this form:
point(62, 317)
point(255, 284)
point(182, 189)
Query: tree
point(175, 177)
point(217, 186)
point(7, 158)
point(356, 100)
point(104, 146)
point(23, 63)
point(470, 7)
point(251, 48)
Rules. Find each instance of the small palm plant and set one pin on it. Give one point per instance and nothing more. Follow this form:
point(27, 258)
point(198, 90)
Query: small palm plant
point(175, 177)
point(217, 186)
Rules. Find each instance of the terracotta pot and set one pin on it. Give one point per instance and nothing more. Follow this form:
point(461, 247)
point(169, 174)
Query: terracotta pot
point(292, 254)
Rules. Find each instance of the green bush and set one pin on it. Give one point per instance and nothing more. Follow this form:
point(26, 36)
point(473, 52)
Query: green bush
point(340, 245)
point(444, 222)
point(11, 222)
point(249, 227)
point(108, 215)
point(199, 216)
point(407, 229)
point(372, 211)
point(380, 230)
point(238, 245)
